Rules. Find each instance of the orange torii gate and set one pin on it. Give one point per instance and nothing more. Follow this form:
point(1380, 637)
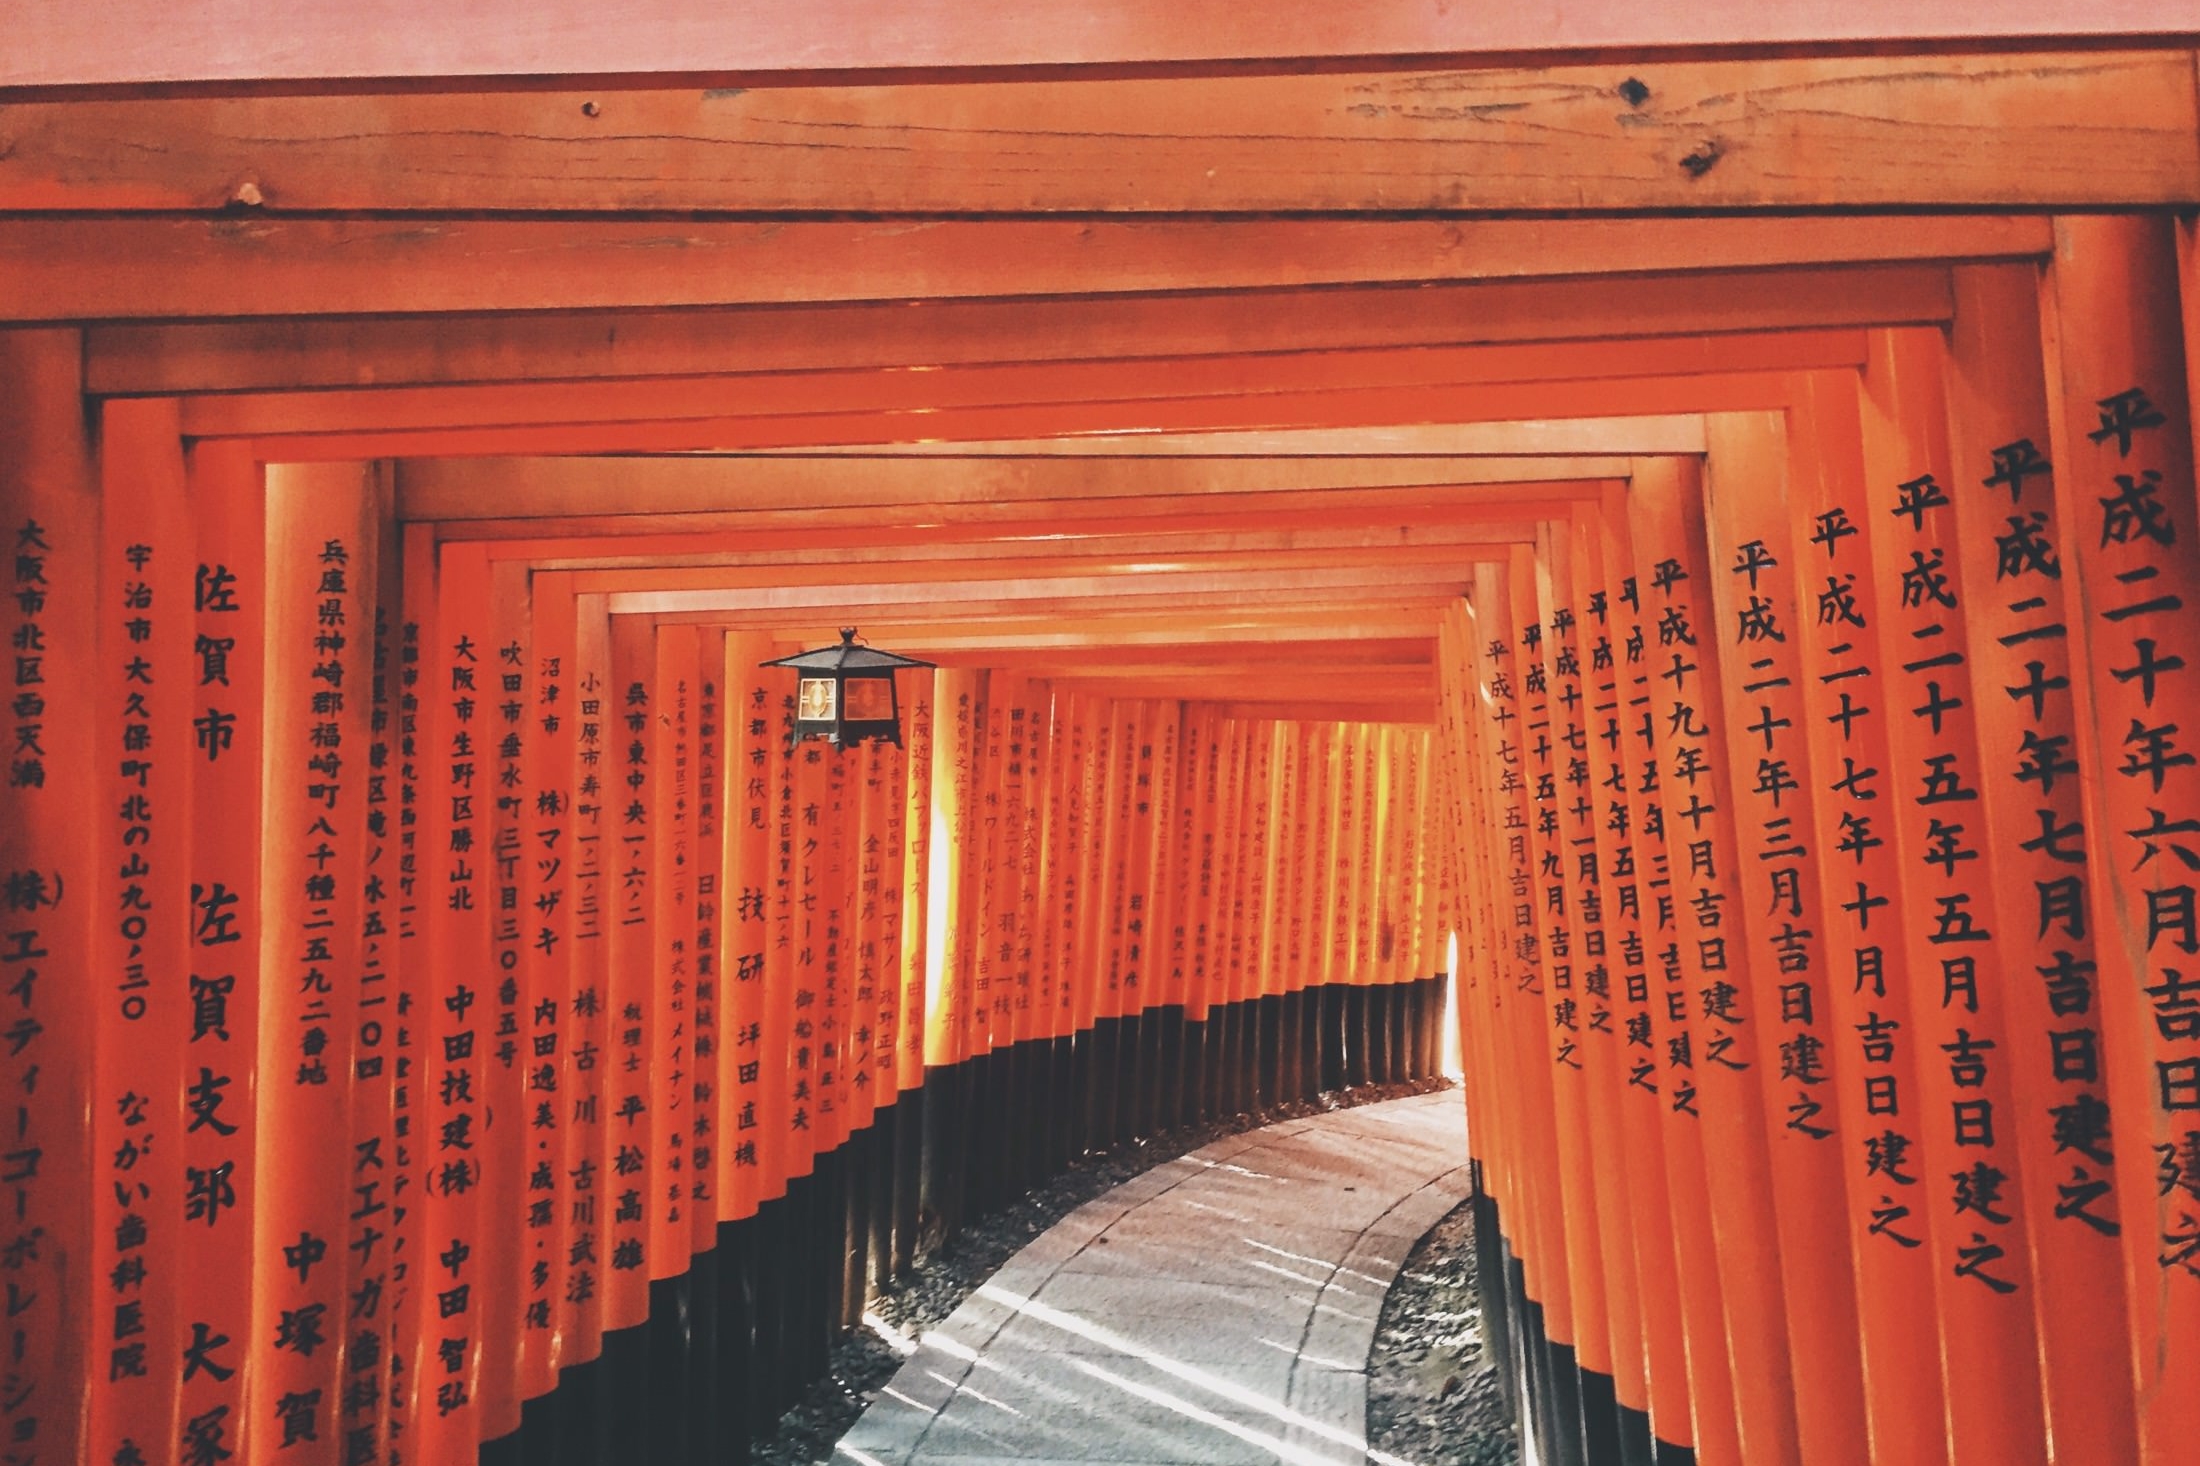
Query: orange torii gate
point(490, 1028)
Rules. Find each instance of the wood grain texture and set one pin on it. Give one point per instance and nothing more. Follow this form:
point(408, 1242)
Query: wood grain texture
point(2022, 128)
point(542, 518)
point(159, 268)
point(1134, 565)
point(1594, 436)
point(134, 358)
point(848, 549)
point(1354, 409)
point(776, 395)
point(54, 42)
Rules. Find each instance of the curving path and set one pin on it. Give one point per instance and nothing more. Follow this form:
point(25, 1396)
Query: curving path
point(1217, 1309)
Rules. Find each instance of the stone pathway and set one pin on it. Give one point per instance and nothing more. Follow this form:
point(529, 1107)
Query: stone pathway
point(1217, 1309)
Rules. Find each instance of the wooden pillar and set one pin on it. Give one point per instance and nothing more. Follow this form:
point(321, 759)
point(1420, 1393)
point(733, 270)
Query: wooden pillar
point(143, 1096)
point(1863, 892)
point(2121, 440)
point(1723, 1055)
point(323, 543)
point(1959, 971)
point(1622, 756)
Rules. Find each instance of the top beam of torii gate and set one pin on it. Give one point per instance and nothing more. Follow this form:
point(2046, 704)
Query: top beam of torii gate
point(52, 42)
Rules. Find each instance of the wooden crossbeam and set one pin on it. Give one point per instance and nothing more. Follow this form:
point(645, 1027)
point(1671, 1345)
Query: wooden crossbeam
point(1413, 713)
point(1399, 559)
point(1651, 434)
point(734, 590)
point(1713, 294)
point(887, 551)
point(1343, 407)
point(1097, 628)
point(67, 268)
point(1340, 681)
point(1192, 656)
point(142, 41)
point(1405, 371)
point(2043, 128)
point(529, 497)
point(1243, 599)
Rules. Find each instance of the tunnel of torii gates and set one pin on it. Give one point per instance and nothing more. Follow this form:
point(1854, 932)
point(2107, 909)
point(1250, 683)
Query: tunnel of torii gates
point(1673, 574)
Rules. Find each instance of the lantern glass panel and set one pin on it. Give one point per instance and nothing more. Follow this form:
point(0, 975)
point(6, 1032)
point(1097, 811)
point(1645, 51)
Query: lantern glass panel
point(816, 702)
point(869, 699)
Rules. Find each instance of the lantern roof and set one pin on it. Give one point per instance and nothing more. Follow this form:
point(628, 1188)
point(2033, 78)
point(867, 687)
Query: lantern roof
point(846, 657)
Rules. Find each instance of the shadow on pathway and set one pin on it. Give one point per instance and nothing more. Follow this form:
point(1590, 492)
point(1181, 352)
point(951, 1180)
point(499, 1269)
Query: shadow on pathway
point(1217, 1309)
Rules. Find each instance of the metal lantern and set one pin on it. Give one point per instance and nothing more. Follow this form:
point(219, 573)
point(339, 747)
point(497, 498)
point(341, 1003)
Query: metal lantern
point(846, 695)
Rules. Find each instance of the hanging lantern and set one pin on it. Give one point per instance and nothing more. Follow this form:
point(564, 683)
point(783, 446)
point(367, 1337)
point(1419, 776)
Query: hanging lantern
point(846, 695)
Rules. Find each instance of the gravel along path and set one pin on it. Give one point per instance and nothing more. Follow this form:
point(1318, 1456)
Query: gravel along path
point(1433, 1397)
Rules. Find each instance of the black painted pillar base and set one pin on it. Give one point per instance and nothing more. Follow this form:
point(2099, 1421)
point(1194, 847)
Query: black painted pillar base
point(1634, 1436)
point(826, 1239)
point(583, 1415)
point(1268, 1023)
point(908, 1176)
point(1193, 1109)
point(1154, 1077)
point(1032, 1085)
point(1309, 1032)
point(1076, 1118)
point(1355, 1036)
point(1214, 1094)
point(1244, 1093)
point(941, 1195)
point(878, 1241)
point(1599, 1416)
point(1571, 1413)
point(1404, 1027)
point(1439, 990)
point(1569, 1437)
point(1101, 1083)
point(1131, 1077)
point(854, 1228)
point(1169, 1067)
point(979, 1138)
point(1061, 1119)
point(1228, 1021)
point(736, 1336)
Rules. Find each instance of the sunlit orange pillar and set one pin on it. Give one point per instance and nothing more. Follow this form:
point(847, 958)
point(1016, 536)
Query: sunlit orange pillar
point(1544, 723)
point(948, 999)
point(1777, 925)
point(1722, 1053)
point(1537, 1220)
point(1864, 902)
point(916, 892)
point(1623, 772)
point(1960, 974)
point(1708, 1388)
point(2121, 440)
point(1569, 630)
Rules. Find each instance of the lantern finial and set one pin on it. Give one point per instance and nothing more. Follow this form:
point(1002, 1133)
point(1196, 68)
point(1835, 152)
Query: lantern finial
point(846, 693)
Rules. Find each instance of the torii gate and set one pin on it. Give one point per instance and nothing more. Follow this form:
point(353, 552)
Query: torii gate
point(1698, 505)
